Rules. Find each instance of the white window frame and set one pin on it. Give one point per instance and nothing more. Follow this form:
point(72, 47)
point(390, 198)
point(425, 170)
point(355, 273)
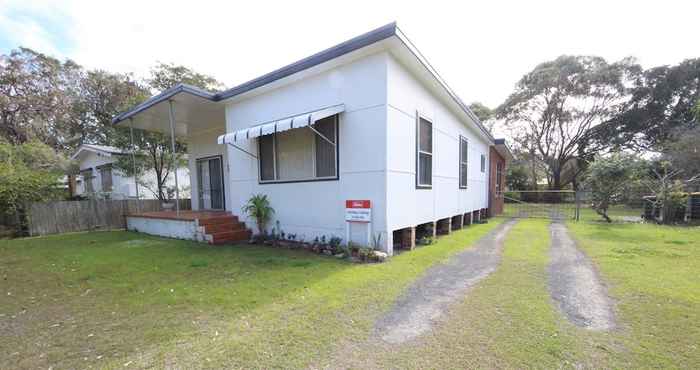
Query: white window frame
point(463, 162)
point(420, 116)
point(313, 158)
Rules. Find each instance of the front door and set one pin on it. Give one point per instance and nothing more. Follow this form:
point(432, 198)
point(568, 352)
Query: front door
point(210, 178)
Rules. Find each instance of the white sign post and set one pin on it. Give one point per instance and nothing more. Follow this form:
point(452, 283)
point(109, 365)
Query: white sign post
point(358, 211)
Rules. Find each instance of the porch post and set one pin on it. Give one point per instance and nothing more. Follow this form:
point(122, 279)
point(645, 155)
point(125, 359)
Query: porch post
point(133, 161)
point(172, 161)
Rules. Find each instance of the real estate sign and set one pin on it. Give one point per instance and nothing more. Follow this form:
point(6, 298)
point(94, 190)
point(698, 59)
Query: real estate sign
point(358, 211)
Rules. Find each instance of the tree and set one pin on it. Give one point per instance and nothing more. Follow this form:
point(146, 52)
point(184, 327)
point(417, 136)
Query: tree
point(166, 75)
point(484, 113)
point(100, 96)
point(154, 151)
point(668, 186)
point(661, 105)
point(517, 177)
point(609, 178)
point(555, 107)
point(36, 96)
point(29, 172)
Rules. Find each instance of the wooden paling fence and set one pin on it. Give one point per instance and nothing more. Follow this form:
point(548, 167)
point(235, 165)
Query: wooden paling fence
point(70, 216)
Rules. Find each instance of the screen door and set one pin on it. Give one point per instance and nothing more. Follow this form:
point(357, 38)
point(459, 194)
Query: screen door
point(210, 177)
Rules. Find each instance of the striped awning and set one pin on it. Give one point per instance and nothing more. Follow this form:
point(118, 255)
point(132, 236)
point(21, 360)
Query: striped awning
point(280, 125)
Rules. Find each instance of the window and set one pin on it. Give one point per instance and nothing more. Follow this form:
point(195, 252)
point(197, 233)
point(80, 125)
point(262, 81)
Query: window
point(106, 178)
point(87, 179)
point(424, 161)
point(300, 154)
point(499, 179)
point(483, 163)
point(463, 161)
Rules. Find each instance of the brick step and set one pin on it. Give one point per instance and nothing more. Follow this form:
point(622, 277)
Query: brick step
point(230, 236)
point(218, 220)
point(227, 226)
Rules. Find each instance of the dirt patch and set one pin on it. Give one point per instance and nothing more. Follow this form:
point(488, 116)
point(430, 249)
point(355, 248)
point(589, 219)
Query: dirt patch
point(429, 296)
point(575, 286)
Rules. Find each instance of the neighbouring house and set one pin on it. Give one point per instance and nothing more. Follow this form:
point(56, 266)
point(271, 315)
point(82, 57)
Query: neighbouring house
point(98, 176)
point(365, 131)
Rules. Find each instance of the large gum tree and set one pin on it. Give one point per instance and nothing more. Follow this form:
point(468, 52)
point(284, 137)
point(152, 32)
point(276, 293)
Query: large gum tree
point(555, 108)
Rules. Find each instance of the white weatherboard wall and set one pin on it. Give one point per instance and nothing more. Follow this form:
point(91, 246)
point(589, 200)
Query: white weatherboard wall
point(311, 209)
point(408, 206)
point(202, 145)
point(123, 186)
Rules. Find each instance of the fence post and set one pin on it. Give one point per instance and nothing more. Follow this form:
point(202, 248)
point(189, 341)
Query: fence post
point(578, 205)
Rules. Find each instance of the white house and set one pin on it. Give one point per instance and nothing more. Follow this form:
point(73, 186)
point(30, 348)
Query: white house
point(98, 175)
point(366, 120)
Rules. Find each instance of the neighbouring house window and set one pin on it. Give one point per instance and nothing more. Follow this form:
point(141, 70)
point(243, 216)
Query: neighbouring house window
point(87, 180)
point(300, 154)
point(463, 161)
point(483, 163)
point(499, 178)
point(106, 178)
point(424, 173)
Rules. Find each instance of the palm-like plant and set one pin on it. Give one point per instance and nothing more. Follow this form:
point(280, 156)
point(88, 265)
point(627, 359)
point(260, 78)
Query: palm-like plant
point(258, 207)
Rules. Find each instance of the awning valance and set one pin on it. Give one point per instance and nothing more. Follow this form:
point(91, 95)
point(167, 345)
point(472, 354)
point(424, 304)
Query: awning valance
point(280, 125)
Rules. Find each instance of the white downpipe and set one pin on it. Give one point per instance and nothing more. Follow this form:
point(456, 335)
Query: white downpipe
point(172, 162)
point(133, 161)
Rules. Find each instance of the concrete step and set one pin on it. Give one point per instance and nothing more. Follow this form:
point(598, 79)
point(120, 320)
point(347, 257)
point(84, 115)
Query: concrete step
point(230, 236)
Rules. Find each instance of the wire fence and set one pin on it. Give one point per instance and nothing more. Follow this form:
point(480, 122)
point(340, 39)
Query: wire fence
point(567, 205)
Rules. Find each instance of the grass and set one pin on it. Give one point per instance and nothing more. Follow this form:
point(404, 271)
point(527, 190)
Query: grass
point(112, 299)
point(115, 299)
point(652, 271)
point(507, 321)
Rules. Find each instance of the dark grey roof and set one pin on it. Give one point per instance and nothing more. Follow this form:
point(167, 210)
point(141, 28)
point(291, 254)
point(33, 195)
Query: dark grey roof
point(346, 47)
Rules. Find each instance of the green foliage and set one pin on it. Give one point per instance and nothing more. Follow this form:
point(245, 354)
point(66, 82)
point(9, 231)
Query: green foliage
point(258, 207)
point(662, 103)
point(29, 172)
point(153, 153)
point(166, 75)
point(481, 111)
point(59, 103)
point(517, 177)
point(609, 178)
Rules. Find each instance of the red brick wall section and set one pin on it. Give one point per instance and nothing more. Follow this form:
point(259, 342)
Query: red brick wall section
point(495, 197)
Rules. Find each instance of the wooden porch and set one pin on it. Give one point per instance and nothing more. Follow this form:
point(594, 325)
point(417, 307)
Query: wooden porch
point(214, 227)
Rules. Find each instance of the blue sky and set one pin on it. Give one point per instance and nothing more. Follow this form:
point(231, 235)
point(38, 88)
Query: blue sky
point(45, 28)
point(481, 48)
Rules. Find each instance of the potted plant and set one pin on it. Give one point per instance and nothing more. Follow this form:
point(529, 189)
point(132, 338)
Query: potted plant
point(258, 207)
point(168, 203)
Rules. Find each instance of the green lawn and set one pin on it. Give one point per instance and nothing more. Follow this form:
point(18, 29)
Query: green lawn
point(506, 321)
point(125, 300)
point(114, 298)
point(654, 275)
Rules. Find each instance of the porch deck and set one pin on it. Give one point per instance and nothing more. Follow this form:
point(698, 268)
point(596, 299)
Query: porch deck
point(184, 215)
point(213, 227)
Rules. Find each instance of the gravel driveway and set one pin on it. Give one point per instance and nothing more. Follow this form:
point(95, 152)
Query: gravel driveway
point(575, 286)
point(428, 297)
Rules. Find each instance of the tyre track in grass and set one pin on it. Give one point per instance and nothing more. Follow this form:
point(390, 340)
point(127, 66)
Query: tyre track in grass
point(575, 286)
point(428, 297)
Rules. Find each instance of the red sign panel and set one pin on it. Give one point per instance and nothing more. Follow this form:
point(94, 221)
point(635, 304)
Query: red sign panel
point(357, 204)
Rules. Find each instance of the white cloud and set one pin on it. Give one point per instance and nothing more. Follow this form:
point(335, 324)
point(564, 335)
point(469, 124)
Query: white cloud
point(480, 48)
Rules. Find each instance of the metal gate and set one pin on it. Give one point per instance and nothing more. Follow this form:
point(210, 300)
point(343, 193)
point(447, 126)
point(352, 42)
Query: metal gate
point(551, 204)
